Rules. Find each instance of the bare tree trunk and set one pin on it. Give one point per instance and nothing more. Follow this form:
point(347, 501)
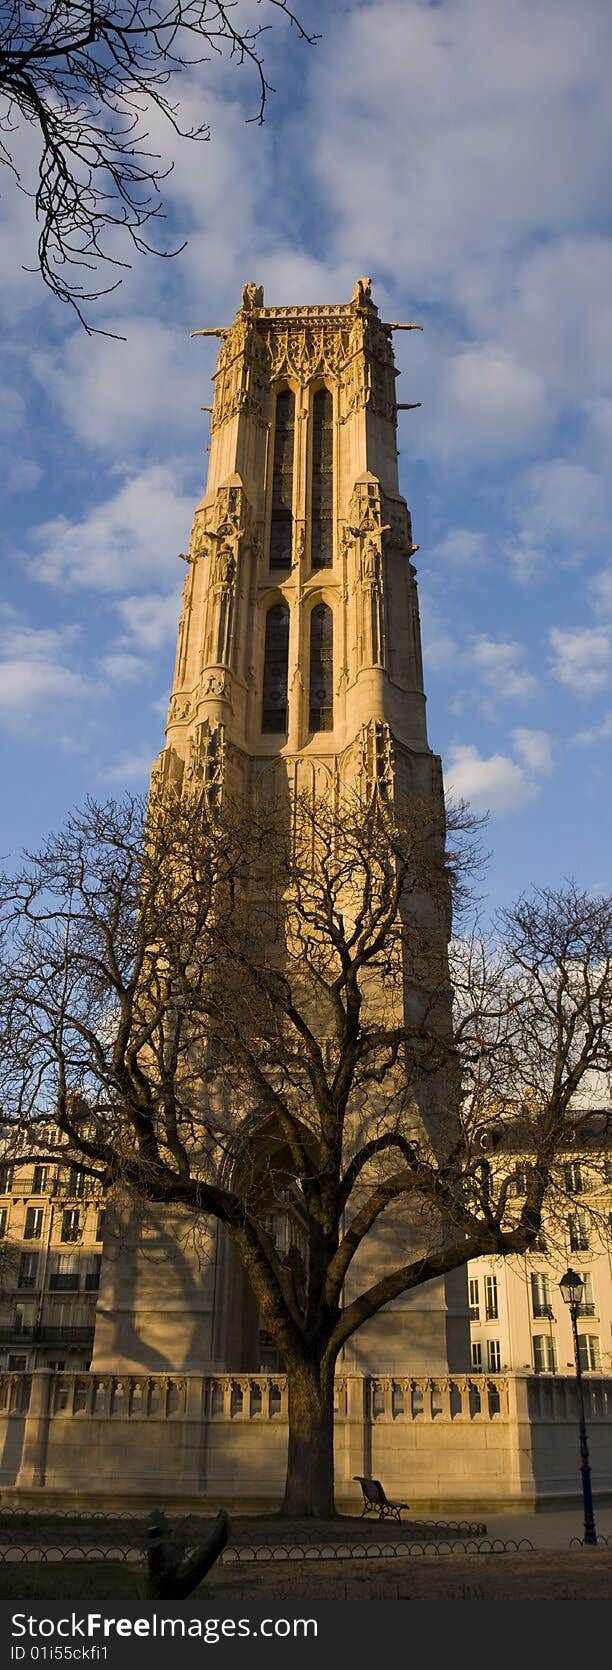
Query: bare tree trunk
point(309, 1488)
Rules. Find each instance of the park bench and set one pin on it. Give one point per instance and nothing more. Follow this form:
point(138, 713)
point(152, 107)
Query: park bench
point(375, 1500)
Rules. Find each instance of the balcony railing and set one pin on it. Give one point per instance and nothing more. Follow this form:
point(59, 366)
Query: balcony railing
point(46, 1333)
point(75, 1191)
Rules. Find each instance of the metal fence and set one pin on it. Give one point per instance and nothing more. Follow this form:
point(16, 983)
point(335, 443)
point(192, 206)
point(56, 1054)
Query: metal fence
point(61, 1535)
point(264, 1553)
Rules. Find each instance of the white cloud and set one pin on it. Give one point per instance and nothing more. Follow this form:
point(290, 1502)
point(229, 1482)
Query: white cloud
point(132, 536)
point(152, 620)
point(20, 287)
point(534, 749)
point(563, 500)
point(597, 411)
point(488, 400)
point(501, 669)
point(35, 671)
point(440, 649)
point(132, 770)
point(564, 507)
point(530, 561)
point(441, 151)
point(569, 342)
point(121, 667)
point(21, 474)
point(463, 547)
point(495, 784)
point(582, 658)
point(597, 733)
point(601, 592)
point(480, 188)
point(117, 396)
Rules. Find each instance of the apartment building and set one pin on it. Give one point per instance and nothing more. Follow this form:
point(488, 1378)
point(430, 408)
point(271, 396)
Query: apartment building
point(518, 1319)
point(51, 1229)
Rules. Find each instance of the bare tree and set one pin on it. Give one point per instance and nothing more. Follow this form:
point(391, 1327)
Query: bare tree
point(89, 76)
point(249, 1015)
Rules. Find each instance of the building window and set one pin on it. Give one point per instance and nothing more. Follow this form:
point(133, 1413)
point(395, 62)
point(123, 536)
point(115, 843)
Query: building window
point(76, 1182)
point(476, 1354)
point(32, 1229)
point(493, 1356)
point(28, 1267)
point(276, 664)
point(474, 1300)
point(100, 1224)
point(576, 1182)
point(518, 1182)
point(321, 705)
point(92, 1274)
point(6, 1178)
point(322, 553)
point(589, 1352)
point(3, 1220)
point(544, 1354)
point(578, 1232)
point(540, 1294)
point(64, 1271)
point(281, 524)
point(587, 1302)
point(25, 1318)
point(491, 1304)
point(39, 1180)
point(540, 1244)
point(63, 1317)
point(70, 1224)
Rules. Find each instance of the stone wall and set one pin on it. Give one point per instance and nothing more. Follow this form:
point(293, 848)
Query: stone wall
point(486, 1441)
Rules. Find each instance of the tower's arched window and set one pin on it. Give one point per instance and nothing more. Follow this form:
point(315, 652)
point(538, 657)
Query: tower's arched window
point(276, 662)
point(321, 704)
point(322, 555)
point(282, 481)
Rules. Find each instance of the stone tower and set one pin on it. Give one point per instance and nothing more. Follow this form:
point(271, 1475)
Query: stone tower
point(299, 641)
point(298, 667)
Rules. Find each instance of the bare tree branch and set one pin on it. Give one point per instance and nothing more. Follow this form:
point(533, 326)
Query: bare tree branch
point(91, 77)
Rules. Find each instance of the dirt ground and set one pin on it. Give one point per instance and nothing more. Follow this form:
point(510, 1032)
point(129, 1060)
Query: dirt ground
point(583, 1574)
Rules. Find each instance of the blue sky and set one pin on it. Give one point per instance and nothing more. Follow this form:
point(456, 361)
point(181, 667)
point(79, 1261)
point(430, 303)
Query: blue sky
point(460, 154)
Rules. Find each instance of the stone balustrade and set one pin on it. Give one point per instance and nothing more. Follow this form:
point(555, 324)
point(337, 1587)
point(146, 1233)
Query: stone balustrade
point(472, 1439)
point(253, 1396)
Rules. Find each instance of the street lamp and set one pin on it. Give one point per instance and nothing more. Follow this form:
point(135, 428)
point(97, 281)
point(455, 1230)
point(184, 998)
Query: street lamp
point(572, 1288)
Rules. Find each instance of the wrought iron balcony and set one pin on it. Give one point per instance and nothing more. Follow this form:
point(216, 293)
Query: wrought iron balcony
point(46, 1333)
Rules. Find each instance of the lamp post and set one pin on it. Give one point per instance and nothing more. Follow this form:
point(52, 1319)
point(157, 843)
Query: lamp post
point(572, 1288)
